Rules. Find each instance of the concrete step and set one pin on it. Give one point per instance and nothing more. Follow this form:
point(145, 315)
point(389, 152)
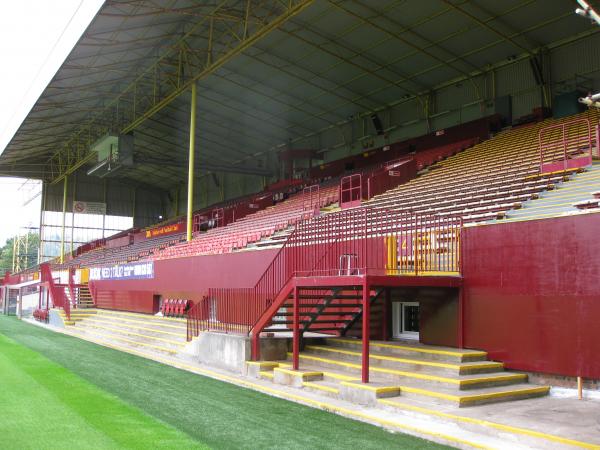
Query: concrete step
point(473, 397)
point(323, 387)
point(395, 376)
point(174, 321)
point(151, 329)
point(174, 327)
point(127, 341)
point(411, 349)
point(415, 363)
point(131, 335)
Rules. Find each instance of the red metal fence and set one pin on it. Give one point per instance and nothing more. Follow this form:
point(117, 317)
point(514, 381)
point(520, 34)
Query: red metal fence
point(351, 191)
point(362, 241)
point(567, 145)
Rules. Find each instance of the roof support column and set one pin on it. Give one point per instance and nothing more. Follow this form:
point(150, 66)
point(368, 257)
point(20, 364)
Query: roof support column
point(190, 197)
point(64, 214)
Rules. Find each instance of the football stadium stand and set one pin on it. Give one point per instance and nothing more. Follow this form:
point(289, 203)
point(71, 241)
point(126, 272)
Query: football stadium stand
point(351, 229)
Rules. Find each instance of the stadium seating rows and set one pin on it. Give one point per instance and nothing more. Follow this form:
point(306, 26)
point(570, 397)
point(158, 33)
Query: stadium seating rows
point(483, 182)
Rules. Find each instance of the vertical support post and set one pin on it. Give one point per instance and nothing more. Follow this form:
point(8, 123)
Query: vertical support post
point(42, 209)
point(73, 212)
point(579, 388)
point(104, 187)
point(366, 329)
point(64, 214)
point(296, 326)
point(190, 199)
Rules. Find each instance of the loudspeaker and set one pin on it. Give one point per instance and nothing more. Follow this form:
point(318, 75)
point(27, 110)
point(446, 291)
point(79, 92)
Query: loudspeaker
point(377, 124)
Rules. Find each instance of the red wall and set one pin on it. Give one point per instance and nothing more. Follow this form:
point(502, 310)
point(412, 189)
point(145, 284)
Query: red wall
point(532, 294)
point(187, 278)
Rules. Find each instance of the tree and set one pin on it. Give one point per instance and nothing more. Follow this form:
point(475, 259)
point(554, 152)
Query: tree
point(27, 258)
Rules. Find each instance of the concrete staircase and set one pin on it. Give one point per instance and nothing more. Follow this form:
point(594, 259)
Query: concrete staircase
point(84, 297)
point(559, 201)
point(160, 335)
point(407, 371)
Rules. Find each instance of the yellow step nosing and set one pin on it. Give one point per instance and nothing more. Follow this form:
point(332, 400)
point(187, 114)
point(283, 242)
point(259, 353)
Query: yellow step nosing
point(463, 399)
point(262, 364)
point(320, 387)
point(143, 344)
point(463, 366)
point(489, 395)
point(128, 333)
point(141, 321)
point(416, 349)
point(296, 373)
point(145, 316)
point(138, 327)
point(268, 374)
point(339, 376)
point(369, 387)
point(416, 375)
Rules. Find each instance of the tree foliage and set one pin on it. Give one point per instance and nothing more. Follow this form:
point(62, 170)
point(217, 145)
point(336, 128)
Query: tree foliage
point(28, 258)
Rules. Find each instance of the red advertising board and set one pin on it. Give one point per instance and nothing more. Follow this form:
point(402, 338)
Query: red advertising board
point(164, 230)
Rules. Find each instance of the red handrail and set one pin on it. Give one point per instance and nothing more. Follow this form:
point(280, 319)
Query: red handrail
point(566, 145)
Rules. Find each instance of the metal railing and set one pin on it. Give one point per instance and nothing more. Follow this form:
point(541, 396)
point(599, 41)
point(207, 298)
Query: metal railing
point(566, 145)
point(357, 242)
point(57, 292)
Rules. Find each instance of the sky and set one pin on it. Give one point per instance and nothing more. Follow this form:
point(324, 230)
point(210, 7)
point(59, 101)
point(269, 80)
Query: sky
point(35, 38)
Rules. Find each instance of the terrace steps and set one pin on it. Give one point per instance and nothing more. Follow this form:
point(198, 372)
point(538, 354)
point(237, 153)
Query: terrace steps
point(139, 331)
point(429, 374)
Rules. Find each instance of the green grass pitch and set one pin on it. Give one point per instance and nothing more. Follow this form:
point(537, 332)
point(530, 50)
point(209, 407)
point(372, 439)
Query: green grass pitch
point(59, 392)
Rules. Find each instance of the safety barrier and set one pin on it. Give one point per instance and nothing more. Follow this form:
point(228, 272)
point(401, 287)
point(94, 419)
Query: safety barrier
point(567, 145)
point(362, 241)
point(57, 292)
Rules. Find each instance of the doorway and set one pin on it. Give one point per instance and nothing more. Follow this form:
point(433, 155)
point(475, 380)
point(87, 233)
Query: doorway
point(405, 320)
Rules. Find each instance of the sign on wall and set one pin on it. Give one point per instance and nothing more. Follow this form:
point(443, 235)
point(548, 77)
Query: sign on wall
point(133, 271)
point(89, 208)
point(167, 229)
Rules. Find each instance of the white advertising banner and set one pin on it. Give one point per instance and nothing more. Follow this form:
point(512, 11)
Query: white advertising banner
point(89, 208)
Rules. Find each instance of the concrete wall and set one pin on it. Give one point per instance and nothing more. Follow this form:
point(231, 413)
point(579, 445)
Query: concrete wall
point(230, 351)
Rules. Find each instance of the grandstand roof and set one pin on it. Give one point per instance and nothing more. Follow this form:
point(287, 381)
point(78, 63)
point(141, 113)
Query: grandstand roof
point(269, 73)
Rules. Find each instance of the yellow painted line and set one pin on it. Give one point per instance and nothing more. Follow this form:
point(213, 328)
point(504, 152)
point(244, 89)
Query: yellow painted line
point(370, 387)
point(143, 316)
point(339, 376)
point(486, 423)
point(463, 366)
point(506, 377)
point(464, 399)
point(266, 374)
point(176, 327)
point(414, 349)
point(491, 395)
point(170, 333)
point(263, 364)
point(130, 333)
point(320, 387)
point(329, 407)
point(123, 339)
point(415, 375)
point(296, 373)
